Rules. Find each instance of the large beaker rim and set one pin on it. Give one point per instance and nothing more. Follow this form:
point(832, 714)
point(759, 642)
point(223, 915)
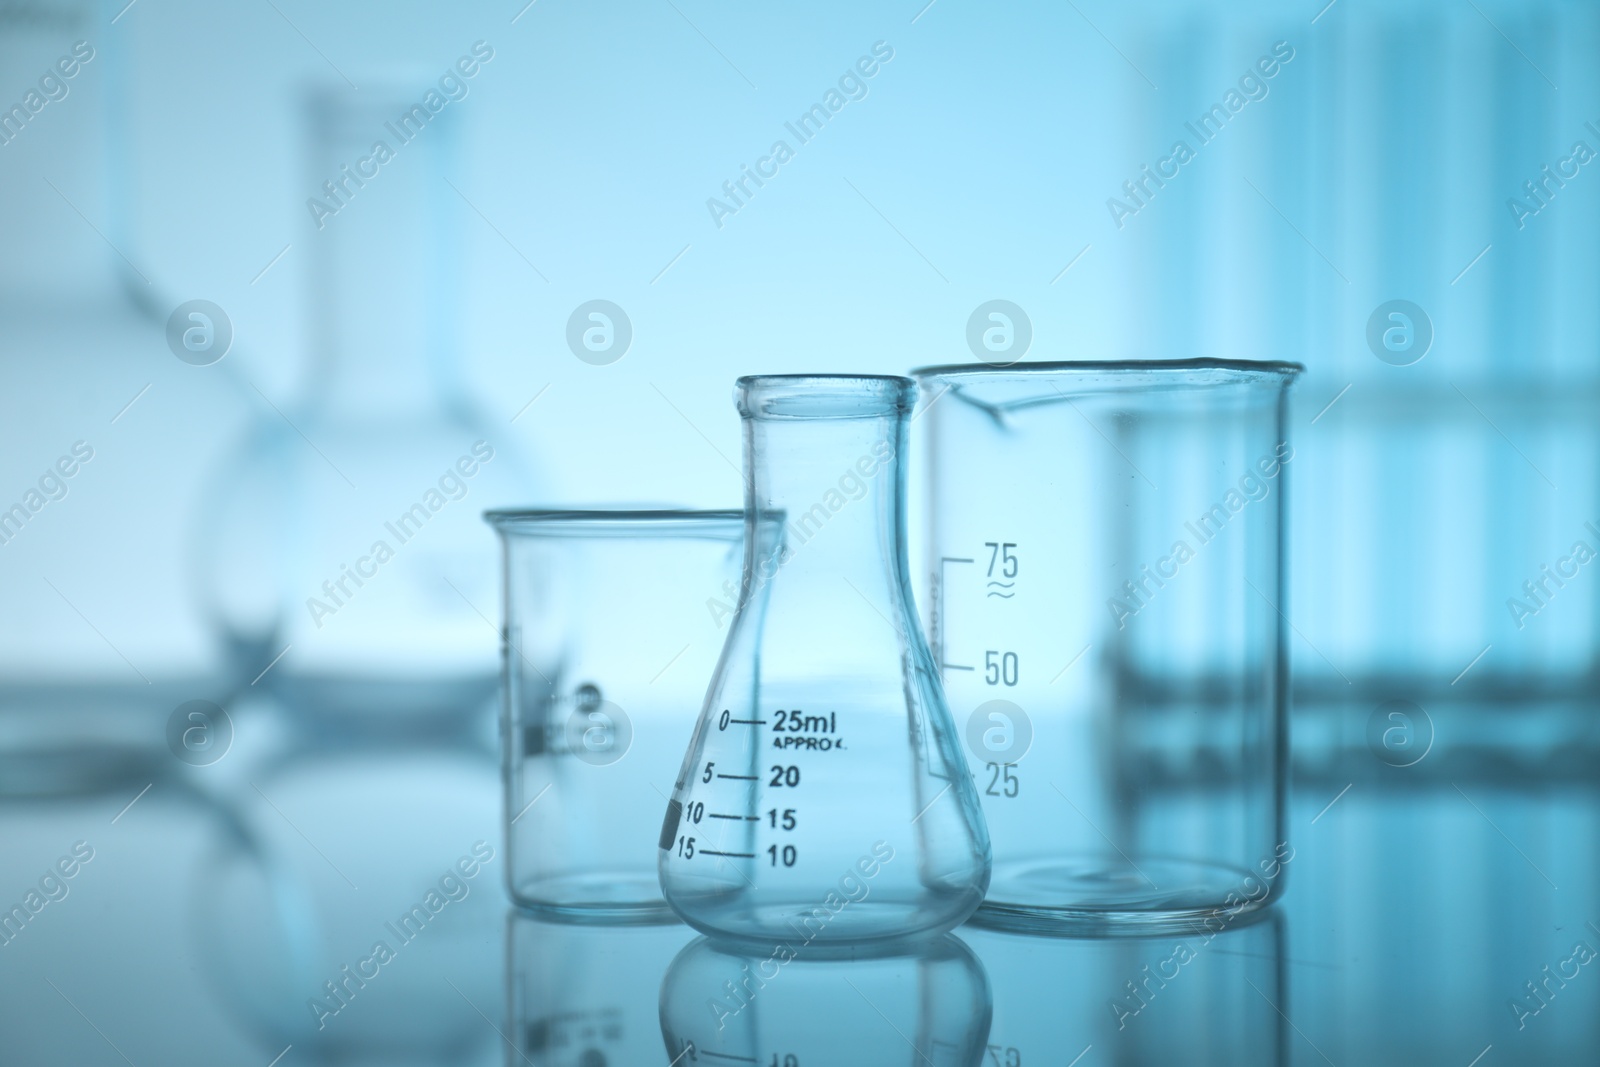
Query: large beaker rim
point(1164, 369)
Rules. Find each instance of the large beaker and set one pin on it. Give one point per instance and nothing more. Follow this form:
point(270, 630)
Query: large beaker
point(1105, 583)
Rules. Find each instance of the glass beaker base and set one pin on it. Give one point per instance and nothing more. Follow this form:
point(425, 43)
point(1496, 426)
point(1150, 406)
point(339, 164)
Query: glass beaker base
point(606, 898)
point(1106, 896)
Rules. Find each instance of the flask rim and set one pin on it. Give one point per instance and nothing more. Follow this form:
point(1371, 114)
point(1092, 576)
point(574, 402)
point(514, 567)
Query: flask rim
point(824, 396)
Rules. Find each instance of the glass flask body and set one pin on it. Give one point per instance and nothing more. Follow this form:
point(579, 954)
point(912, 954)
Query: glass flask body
point(1105, 580)
point(823, 797)
point(345, 527)
point(611, 631)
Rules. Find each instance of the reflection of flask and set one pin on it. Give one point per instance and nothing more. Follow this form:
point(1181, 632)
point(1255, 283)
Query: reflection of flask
point(922, 1003)
point(352, 886)
point(345, 530)
point(102, 839)
point(824, 788)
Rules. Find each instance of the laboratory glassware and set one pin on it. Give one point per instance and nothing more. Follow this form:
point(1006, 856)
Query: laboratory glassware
point(1475, 378)
point(1165, 998)
point(400, 850)
point(1105, 597)
point(585, 994)
point(342, 534)
point(824, 790)
point(102, 836)
point(613, 623)
point(926, 1003)
point(52, 272)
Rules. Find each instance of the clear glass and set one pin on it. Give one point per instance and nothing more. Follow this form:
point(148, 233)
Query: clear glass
point(613, 623)
point(102, 839)
point(922, 1004)
point(824, 791)
point(286, 927)
point(342, 533)
point(1183, 997)
point(1105, 596)
point(586, 994)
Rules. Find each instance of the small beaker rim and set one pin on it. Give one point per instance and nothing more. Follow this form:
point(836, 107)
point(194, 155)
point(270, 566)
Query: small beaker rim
point(1242, 368)
point(824, 396)
point(617, 521)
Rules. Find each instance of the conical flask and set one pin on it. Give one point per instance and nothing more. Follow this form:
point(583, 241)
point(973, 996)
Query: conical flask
point(823, 798)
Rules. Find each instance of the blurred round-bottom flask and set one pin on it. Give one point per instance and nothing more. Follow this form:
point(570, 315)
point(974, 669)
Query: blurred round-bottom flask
point(340, 544)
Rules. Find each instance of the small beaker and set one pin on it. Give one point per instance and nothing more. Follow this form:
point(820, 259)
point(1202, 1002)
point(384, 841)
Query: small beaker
point(1105, 598)
point(613, 624)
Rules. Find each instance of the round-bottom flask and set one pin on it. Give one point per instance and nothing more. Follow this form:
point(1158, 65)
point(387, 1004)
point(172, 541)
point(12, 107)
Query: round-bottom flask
point(824, 798)
point(340, 556)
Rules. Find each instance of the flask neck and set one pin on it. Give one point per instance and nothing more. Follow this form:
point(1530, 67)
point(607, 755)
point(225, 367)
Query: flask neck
point(832, 491)
point(383, 335)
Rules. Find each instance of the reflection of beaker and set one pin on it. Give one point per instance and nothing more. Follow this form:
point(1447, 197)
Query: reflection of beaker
point(585, 995)
point(343, 534)
point(1209, 995)
point(611, 634)
point(918, 1003)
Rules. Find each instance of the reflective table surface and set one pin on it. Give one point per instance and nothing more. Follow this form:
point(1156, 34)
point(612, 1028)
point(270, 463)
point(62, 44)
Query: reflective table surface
point(340, 901)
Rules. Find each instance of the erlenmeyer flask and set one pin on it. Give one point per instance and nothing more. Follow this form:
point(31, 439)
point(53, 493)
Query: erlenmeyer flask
point(823, 797)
